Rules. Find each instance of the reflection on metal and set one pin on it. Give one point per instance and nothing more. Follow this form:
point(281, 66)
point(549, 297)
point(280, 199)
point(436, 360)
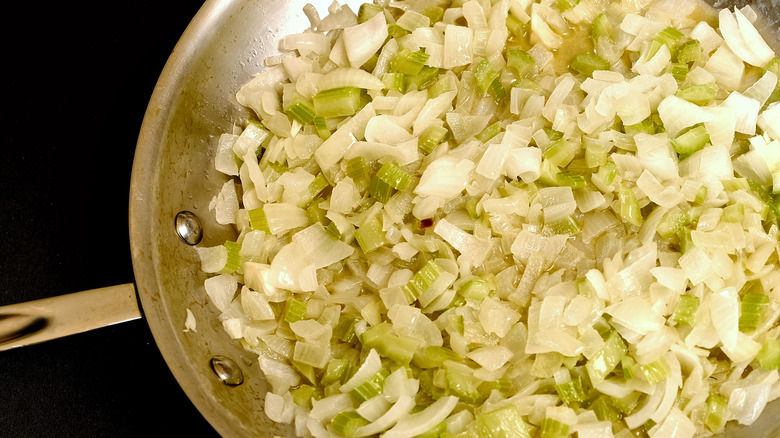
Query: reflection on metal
point(227, 370)
point(189, 228)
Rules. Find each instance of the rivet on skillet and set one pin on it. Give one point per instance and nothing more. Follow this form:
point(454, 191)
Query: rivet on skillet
point(227, 370)
point(188, 227)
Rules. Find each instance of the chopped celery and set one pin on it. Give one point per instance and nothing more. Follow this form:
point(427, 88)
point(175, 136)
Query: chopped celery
point(679, 71)
point(313, 190)
point(699, 94)
point(754, 306)
point(337, 102)
point(315, 213)
point(686, 310)
point(571, 391)
point(398, 348)
point(233, 257)
point(301, 110)
point(515, 27)
point(370, 235)
point(303, 395)
point(258, 220)
point(717, 410)
point(565, 5)
point(587, 63)
point(338, 370)
point(347, 423)
point(421, 280)
point(435, 432)
point(604, 409)
point(389, 178)
point(769, 355)
point(497, 89)
point(434, 13)
point(461, 383)
point(552, 428)
point(567, 225)
point(628, 364)
point(733, 213)
point(655, 371)
point(502, 423)
point(671, 223)
point(504, 386)
point(357, 169)
point(434, 356)
point(602, 27)
point(561, 152)
point(484, 75)
point(689, 51)
point(431, 137)
point(408, 62)
point(774, 66)
point(668, 37)
point(607, 358)
point(476, 289)
point(424, 79)
point(367, 11)
point(370, 387)
point(395, 31)
point(489, 132)
point(394, 81)
point(345, 329)
point(646, 126)
point(520, 60)
point(691, 140)
point(295, 310)
point(321, 125)
point(629, 207)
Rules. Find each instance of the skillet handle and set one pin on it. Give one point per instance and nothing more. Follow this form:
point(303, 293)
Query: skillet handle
point(50, 318)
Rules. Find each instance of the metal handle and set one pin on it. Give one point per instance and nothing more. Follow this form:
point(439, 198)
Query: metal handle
point(51, 318)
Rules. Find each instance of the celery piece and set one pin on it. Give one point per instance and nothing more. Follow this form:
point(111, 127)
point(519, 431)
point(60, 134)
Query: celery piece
point(371, 387)
point(334, 230)
point(552, 428)
point(671, 223)
point(607, 358)
point(565, 5)
point(367, 11)
point(646, 126)
point(497, 89)
point(370, 235)
point(515, 27)
point(314, 213)
point(587, 63)
point(733, 213)
point(321, 125)
point(668, 37)
point(434, 356)
point(394, 176)
point(502, 423)
point(685, 313)
point(717, 410)
point(701, 94)
point(679, 71)
point(294, 310)
point(655, 371)
point(596, 152)
point(442, 85)
point(626, 404)
point(338, 370)
point(408, 62)
point(769, 355)
point(774, 66)
point(301, 110)
point(424, 79)
point(685, 240)
point(381, 338)
point(489, 132)
point(567, 225)
point(604, 409)
point(380, 190)
point(504, 386)
point(303, 395)
point(394, 81)
point(571, 391)
point(476, 288)
point(313, 190)
point(484, 75)
point(258, 220)
point(395, 31)
point(627, 364)
point(345, 329)
point(431, 137)
point(462, 384)
point(560, 152)
point(602, 27)
point(421, 280)
point(520, 60)
point(357, 169)
point(435, 13)
point(629, 206)
point(337, 102)
point(305, 370)
point(347, 423)
point(435, 432)
point(689, 51)
point(754, 306)
point(691, 140)
point(233, 259)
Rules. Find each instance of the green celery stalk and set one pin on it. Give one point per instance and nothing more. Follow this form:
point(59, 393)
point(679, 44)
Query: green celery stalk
point(408, 62)
point(587, 63)
point(233, 259)
point(629, 207)
point(520, 60)
point(431, 137)
point(489, 132)
point(347, 423)
point(701, 94)
point(258, 220)
point(435, 13)
point(754, 306)
point(484, 75)
point(515, 27)
point(602, 27)
point(313, 190)
point(502, 423)
point(769, 355)
point(394, 81)
point(717, 409)
point(321, 125)
point(367, 11)
point(421, 280)
point(733, 213)
point(337, 102)
point(301, 110)
point(295, 310)
point(691, 140)
point(685, 313)
point(689, 51)
point(679, 71)
point(552, 428)
point(424, 79)
point(371, 387)
point(607, 358)
point(370, 235)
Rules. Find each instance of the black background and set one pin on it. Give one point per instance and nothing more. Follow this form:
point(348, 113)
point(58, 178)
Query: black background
point(77, 77)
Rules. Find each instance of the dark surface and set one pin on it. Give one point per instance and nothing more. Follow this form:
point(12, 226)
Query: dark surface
point(77, 78)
